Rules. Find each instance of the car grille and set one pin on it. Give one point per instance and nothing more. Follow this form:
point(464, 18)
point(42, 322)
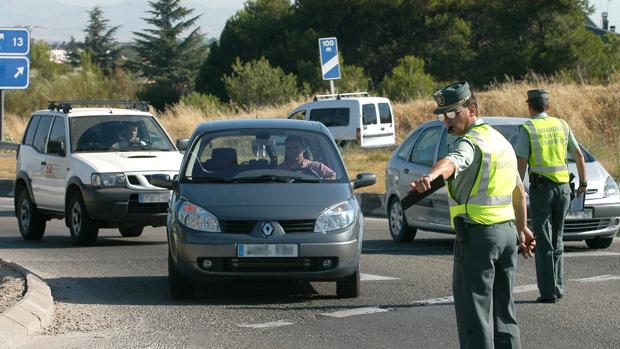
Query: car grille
point(246, 227)
point(266, 265)
point(134, 206)
point(582, 225)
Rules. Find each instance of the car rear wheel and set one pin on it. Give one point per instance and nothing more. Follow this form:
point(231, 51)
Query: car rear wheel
point(399, 228)
point(31, 222)
point(83, 229)
point(179, 286)
point(349, 287)
point(130, 232)
point(599, 242)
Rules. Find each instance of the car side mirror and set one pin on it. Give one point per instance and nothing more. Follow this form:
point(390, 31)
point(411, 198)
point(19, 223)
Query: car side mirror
point(163, 181)
point(363, 180)
point(182, 144)
point(56, 147)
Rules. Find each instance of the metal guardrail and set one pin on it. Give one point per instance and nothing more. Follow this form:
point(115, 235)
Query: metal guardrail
point(8, 146)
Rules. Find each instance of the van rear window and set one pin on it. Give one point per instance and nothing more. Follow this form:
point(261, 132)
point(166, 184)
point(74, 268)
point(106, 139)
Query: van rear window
point(369, 114)
point(331, 116)
point(385, 115)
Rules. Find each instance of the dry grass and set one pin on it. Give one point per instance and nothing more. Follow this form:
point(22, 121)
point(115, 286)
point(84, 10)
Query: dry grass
point(592, 111)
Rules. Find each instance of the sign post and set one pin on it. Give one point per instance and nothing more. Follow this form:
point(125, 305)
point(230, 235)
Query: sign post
point(14, 64)
point(330, 65)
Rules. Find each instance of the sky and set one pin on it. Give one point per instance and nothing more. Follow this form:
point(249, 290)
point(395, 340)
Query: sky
point(49, 17)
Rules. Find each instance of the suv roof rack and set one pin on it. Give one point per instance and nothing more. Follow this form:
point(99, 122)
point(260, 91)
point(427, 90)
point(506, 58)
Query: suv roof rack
point(66, 106)
point(341, 95)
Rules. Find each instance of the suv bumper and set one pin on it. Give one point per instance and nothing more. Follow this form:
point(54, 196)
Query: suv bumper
point(116, 206)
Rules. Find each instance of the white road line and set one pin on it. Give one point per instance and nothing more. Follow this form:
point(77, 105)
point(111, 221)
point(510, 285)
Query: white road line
point(356, 311)
point(370, 277)
point(267, 324)
point(525, 288)
point(433, 301)
point(599, 278)
point(591, 254)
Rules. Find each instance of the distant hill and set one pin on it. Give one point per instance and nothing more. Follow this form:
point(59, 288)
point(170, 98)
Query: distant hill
point(54, 21)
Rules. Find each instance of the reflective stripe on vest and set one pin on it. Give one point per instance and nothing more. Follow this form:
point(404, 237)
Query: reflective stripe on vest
point(548, 142)
point(490, 199)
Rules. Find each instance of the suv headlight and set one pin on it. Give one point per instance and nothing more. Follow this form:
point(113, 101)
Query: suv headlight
point(108, 180)
point(611, 188)
point(197, 218)
point(336, 217)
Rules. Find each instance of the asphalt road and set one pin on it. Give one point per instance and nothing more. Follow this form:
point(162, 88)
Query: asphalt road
point(115, 295)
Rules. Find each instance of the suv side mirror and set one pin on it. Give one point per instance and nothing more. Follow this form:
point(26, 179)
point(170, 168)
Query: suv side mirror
point(163, 181)
point(56, 147)
point(182, 144)
point(364, 180)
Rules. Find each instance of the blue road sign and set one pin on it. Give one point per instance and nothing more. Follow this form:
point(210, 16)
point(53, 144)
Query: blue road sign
point(14, 72)
point(330, 67)
point(14, 41)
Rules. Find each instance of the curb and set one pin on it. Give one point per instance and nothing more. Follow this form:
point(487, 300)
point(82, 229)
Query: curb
point(30, 315)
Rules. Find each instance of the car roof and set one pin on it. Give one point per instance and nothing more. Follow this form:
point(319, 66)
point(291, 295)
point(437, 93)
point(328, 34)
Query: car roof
point(76, 112)
point(218, 125)
point(491, 120)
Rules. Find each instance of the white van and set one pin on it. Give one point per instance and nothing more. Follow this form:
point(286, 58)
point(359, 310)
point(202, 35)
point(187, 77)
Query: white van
point(352, 117)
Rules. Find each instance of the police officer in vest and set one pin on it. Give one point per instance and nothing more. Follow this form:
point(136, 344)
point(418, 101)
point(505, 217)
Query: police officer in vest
point(489, 215)
point(543, 144)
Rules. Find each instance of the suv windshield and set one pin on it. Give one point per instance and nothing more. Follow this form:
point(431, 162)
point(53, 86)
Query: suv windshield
point(112, 133)
point(264, 155)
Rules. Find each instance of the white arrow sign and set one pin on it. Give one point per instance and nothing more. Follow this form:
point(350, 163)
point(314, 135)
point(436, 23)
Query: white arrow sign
point(20, 71)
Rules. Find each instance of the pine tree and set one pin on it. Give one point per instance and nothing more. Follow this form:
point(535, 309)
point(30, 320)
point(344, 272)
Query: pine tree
point(99, 41)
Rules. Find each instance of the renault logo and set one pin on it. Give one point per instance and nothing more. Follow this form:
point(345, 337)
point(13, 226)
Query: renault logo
point(267, 229)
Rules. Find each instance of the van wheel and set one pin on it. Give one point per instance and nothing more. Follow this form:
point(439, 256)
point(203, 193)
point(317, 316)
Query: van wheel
point(399, 228)
point(130, 232)
point(179, 286)
point(349, 287)
point(599, 242)
point(83, 230)
point(31, 222)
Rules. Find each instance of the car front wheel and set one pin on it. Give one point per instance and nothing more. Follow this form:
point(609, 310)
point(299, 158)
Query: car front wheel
point(599, 242)
point(83, 229)
point(31, 222)
point(179, 286)
point(349, 287)
point(399, 228)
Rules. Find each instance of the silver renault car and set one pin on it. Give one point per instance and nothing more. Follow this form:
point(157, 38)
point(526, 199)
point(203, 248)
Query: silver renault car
point(597, 223)
point(263, 199)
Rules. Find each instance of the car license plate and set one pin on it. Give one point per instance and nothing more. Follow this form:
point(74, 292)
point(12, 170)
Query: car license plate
point(267, 250)
point(586, 213)
point(153, 197)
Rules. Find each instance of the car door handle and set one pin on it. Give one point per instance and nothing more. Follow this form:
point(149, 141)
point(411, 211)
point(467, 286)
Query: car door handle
point(43, 163)
point(406, 171)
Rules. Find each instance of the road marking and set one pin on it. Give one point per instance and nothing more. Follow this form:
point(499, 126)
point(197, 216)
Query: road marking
point(525, 288)
point(591, 254)
point(434, 301)
point(267, 324)
point(599, 278)
point(356, 311)
point(7, 206)
point(370, 277)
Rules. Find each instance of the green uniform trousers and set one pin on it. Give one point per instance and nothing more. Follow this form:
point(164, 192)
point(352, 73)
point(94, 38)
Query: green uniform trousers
point(485, 260)
point(548, 207)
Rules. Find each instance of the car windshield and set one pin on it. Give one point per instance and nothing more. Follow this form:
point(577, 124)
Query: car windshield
point(511, 133)
point(264, 155)
point(113, 133)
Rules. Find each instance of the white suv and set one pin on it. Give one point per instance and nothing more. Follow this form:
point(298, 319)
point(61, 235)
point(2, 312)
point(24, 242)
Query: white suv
point(77, 164)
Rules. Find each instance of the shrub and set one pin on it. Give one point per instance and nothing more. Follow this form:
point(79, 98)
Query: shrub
point(407, 81)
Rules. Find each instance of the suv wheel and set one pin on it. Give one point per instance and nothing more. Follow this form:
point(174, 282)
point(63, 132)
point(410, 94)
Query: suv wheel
point(31, 222)
point(130, 232)
point(399, 228)
point(599, 242)
point(179, 286)
point(349, 287)
point(83, 230)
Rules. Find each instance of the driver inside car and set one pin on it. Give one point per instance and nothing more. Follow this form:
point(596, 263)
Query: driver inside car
point(130, 139)
point(294, 159)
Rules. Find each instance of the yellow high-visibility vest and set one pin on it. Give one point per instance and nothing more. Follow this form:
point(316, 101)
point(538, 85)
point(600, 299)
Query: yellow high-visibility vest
point(490, 198)
point(548, 148)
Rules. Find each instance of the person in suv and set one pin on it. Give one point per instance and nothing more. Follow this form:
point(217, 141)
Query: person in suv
point(68, 167)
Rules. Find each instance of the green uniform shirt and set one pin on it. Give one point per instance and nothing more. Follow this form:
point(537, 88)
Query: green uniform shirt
point(462, 152)
point(523, 142)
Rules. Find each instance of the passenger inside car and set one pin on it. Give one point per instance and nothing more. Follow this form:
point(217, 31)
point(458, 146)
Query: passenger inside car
point(296, 159)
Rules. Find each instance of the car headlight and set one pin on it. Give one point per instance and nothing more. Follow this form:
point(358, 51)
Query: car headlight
point(336, 217)
point(108, 180)
point(197, 218)
point(611, 188)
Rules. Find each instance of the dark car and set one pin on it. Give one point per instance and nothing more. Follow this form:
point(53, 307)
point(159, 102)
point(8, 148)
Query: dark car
point(239, 209)
point(597, 223)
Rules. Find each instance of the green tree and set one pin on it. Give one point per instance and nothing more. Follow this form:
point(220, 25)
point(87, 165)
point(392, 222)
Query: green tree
point(99, 41)
point(257, 84)
point(165, 58)
point(40, 62)
point(407, 81)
